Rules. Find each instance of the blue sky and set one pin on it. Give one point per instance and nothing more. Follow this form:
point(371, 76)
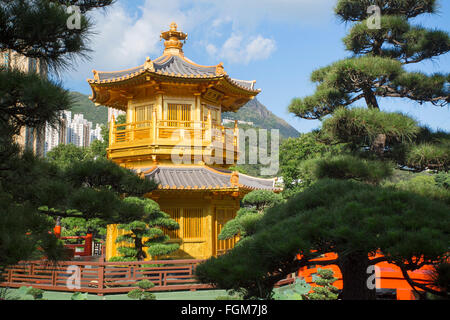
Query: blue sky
point(278, 43)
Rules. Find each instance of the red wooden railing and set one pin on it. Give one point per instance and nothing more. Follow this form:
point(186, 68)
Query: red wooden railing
point(106, 277)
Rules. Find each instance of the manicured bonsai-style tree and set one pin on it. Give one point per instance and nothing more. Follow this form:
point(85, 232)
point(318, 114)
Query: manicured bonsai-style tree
point(253, 207)
point(146, 237)
point(141, 293)
point(324, 289)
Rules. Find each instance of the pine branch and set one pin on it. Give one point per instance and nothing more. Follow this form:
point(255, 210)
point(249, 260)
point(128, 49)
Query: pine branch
point(415, 284)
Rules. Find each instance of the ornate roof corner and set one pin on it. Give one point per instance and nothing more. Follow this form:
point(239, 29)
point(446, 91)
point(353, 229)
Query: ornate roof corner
point(96, 76)
point(149, 65)
point(220, 70)
point(234, 179)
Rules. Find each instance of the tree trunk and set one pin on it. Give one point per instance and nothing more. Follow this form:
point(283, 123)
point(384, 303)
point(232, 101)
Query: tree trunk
point(139, 247)
point(379, 143)
point(371, 99)
point(354, 268)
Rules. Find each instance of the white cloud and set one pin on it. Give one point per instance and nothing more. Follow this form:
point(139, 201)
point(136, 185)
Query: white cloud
point(225, 28)
point(239, 49)
point(211, 49)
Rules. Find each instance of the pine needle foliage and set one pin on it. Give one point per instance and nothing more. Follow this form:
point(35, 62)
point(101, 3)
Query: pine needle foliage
point(145, 237)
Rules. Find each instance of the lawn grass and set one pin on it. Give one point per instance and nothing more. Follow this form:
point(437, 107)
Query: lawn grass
point(173, 295)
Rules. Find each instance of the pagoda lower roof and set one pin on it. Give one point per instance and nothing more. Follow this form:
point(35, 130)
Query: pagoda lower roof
point(204, 178)
point(172, 66)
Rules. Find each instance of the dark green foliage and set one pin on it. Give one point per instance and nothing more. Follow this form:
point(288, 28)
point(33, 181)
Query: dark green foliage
point(441, 276)
point(102, 172)
point(360, 127)
point(349, 167)
point(29, 100)
point(145, 284)
point(293, 152)
point(324, 289)
point(146, 237)
point(425, 185)
point(98, 148)
point(427, 155)
point(80, 227)
point(375, 70)
point(141, 294)
point(37, 294)
point(89, 189)
point(344, 217)
point(356, 10)
point(443, 180)
point(254, 205)
point(23, 228)
point(242, 225)
point(64, 155)
point(429, 150)
point(38, 29)
point(345, 82)
point(32, 191)
point(30, 186)
point(261, 199)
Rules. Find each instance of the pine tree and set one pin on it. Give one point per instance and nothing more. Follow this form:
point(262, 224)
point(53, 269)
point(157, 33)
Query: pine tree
point(349, 210)
point(324, 289)
point(145, 238)
point(33, 192)
point(253, 206)
point(377, 70)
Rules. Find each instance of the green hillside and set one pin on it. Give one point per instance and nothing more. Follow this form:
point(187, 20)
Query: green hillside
point(254, 111)
point(86, 107)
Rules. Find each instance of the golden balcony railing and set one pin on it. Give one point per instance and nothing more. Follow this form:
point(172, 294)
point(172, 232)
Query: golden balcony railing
point(170, 134)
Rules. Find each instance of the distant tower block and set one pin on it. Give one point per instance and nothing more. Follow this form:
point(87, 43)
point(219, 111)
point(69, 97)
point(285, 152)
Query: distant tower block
point(114, 112)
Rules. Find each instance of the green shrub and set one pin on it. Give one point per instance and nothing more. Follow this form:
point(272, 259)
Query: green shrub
point(141, 294)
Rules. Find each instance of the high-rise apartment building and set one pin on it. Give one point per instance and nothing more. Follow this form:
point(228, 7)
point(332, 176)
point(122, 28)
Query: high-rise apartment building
point(77, 131)
point(29, 138)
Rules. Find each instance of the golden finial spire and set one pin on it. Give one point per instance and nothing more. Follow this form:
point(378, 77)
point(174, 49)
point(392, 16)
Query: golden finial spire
point(174, 40)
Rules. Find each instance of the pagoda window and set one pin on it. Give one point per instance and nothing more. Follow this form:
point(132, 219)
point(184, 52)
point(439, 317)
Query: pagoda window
point(180, 114)
point(143, 116)
point(204, 113)
point(215, 116)
point(190, 221)
point(193, 223)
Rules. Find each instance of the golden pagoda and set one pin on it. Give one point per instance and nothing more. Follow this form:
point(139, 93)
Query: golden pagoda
point(174, 136)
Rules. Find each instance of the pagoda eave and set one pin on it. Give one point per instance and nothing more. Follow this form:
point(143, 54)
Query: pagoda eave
point(111, 93)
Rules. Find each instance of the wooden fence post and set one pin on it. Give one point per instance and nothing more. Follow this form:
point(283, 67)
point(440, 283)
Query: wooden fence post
point(54, 275)
point(101, 279)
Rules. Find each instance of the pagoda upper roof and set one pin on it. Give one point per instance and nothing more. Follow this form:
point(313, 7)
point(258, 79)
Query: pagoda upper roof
point(172, 66)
